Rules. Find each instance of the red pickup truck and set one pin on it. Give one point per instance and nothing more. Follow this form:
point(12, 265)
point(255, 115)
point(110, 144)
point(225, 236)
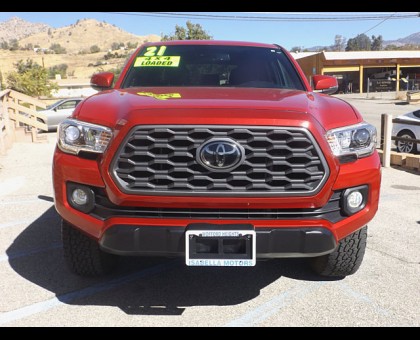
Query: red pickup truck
point(220, 152)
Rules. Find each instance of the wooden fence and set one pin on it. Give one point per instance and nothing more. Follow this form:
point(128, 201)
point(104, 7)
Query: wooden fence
point(387, 138)
point(18, 110)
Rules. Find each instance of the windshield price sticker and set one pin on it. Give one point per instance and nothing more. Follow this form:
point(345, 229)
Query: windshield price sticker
point(153, 50)
point(157, 61)
point(162, 96)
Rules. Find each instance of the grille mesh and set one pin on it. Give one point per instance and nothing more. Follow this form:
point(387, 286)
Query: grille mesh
point(162, 160)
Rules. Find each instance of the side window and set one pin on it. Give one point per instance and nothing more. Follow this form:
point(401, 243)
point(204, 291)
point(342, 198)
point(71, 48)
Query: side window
point(416, 113)
point(71, 104)
point(289, 77)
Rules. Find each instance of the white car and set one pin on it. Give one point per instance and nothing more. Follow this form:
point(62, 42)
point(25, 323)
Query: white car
point(59, 111)
point(406, 130)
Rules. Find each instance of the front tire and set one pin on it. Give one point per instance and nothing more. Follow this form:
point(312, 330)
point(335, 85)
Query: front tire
point(404, 146)
point(345, 259)
point(83, 254)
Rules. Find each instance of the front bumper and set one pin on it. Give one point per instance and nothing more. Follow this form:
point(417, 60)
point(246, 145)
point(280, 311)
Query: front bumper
point(269, 216)
point(170, 241)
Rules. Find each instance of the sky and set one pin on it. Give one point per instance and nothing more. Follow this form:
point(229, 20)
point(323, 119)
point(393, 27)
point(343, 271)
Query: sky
point(286, 33)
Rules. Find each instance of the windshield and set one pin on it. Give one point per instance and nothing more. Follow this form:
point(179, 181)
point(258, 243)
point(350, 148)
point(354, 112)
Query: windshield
point(216, 66)
point(49, 107)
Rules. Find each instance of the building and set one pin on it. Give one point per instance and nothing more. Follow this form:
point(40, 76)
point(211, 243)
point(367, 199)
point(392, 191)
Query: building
point(68, 88)
point(365, 71)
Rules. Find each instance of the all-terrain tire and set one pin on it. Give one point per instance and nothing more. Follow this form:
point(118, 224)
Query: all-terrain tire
point(345, 259)
point(83, 254)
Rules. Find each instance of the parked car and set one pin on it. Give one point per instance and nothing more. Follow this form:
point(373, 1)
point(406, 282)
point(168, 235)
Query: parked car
point(407, 131)
point(59, 111)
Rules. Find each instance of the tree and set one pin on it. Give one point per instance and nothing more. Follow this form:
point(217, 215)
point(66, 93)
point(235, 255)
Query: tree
point(13, 45)
point(191, 32)
point(296, 49)
point(377, 43)
point(30, 79)
point(117, 71)
point(23, 67)
point(1, 81)
point(360, 43)
point(60, 69)
point(116, 45)
point(29, 47)
point(58, 49)
point(339, 43)
point(131, 45)
point(405, 47)
point(95, 49)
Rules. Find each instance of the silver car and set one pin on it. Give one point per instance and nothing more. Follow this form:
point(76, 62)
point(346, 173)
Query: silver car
point(407, 131)
point(59, 111)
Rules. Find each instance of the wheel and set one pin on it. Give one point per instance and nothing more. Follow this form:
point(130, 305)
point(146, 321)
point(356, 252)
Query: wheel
point(345, 259)
point(406, 147)
point(83, 255)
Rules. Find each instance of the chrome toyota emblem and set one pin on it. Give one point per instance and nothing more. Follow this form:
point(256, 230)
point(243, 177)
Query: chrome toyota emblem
point(221, 154)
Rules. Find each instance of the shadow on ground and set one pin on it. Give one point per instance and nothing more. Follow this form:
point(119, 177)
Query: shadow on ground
point(141, 286)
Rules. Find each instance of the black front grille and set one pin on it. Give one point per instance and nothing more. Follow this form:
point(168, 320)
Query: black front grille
point(332, 211)
point(159, 160)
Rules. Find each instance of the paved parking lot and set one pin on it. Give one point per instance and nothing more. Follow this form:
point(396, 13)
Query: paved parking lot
point(372, 106)
point(36, 288)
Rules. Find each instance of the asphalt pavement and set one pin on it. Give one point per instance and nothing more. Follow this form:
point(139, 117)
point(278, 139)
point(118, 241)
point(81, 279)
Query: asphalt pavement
point(37, 289)
point(373, 105)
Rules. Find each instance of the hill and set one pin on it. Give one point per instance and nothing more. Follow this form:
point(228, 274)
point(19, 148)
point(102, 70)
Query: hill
point(17, 28)
point(413, 39)
point(77, 39)
point(85, 33)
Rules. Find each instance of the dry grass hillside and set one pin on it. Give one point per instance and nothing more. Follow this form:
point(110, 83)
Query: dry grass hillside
point(77, 40)
point(84, 34)
point(77, 63)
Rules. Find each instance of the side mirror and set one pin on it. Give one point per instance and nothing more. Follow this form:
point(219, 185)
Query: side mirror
point(102, 81)
point(325, 84)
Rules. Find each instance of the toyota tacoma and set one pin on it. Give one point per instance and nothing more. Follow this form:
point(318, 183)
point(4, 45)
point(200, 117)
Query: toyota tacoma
point(220, 152)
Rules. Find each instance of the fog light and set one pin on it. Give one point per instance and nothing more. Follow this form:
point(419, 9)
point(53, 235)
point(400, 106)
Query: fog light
point(79, 197)
point(354, 199)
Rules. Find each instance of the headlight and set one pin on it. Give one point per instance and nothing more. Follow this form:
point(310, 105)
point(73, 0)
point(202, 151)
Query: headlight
point(355, 141)
point(75, 136)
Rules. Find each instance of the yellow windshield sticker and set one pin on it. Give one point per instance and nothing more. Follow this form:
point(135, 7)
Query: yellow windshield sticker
point(163, 96)
point(151, 51)
point(157, 61)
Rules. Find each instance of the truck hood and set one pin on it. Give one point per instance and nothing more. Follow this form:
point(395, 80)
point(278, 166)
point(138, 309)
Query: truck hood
point(112, 106)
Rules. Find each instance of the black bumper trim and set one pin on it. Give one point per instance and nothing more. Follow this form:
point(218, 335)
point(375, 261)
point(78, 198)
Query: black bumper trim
point(131, 240)
point(331, 211)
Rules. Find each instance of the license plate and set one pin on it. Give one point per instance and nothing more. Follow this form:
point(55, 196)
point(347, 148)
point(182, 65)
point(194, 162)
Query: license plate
point(220, 248)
